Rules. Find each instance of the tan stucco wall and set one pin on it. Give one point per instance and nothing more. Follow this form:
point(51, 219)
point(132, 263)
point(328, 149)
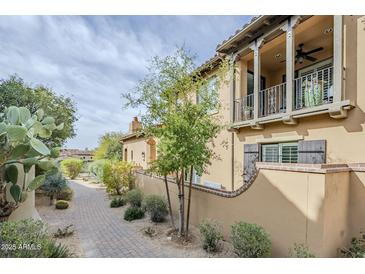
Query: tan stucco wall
point(26, 209)
point(357, 204)
point(336, 212)
point(138, 146)
point(293, 207)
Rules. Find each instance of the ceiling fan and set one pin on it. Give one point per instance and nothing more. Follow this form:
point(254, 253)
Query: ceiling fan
point(302, 55)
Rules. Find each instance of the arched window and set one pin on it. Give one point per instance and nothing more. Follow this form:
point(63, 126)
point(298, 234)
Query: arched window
point(131, 155)
point(125, 154)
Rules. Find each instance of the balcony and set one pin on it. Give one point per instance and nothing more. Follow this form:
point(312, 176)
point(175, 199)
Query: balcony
point(313, 89)
point(293, 71)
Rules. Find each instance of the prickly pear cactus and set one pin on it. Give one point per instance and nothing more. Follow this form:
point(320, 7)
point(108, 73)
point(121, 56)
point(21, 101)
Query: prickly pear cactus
point(21, 135)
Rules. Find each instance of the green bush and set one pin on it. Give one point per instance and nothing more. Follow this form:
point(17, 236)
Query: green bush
point(53, 185)
point(134, 197)
point(133, 213)
point(118, 176)
point(61, 204)
point(156, 206)
point(71, 167)
point(301, 251)
point(29, 239)
point(96, 169)
point(65, 194)
point(117, 202)
point(356, 249)
point(211, 235)
point(250, 241)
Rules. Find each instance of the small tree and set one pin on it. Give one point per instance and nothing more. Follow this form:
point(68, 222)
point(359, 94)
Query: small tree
point(110, 147)
point(184, 128)
point(118, 176)
point(72, 167)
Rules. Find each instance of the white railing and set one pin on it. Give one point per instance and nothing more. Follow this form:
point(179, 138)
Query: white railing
point(314, 89)
point(272, 100)
point(243, 108)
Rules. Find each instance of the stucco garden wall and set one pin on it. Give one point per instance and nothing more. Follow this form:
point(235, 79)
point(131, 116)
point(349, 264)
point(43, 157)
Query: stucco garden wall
point(26, 209)
point(294, 207)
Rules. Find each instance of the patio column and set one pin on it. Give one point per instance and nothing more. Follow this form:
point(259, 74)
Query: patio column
point(290, 60)
point(337, 57)
point(256, 75)
point(232, 88)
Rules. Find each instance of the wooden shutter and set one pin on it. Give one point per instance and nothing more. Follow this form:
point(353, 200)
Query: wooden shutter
point(312, 152)
point(251, 156)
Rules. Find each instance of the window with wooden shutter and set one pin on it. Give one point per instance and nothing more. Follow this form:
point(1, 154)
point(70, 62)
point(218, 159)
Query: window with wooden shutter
point(280, 153)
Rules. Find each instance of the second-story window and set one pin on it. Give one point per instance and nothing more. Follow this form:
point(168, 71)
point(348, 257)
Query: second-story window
point(131, 155)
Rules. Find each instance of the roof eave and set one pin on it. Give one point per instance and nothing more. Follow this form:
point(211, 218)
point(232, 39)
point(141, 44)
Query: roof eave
point(259, 20)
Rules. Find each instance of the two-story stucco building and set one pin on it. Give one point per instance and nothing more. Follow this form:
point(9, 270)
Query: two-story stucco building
point(295, 110)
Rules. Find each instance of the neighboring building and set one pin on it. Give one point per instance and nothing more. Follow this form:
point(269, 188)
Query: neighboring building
point(295, 159)
point(85, 155)
point(136, 148)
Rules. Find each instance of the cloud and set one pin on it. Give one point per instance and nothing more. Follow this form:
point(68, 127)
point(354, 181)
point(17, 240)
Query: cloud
point(94, 59)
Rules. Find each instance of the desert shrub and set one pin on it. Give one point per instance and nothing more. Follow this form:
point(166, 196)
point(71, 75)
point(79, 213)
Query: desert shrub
point(156, 207)
point(356, 249)
point(134, 197)
point(211, 234)
point(301, 251)
point(96, 169)
point(250, 241)
point(71, 167)
point(65, 194)
point(57, 250)
point(29, 239)
point(53, 185)
point(118, 176)
point(61, 204)
point(117, 202)
point(133, 213)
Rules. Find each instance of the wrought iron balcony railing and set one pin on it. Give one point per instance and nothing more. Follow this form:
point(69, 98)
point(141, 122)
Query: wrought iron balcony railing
point(243, 108)
point(272, 100)
point(314, 89)
point(310, 90)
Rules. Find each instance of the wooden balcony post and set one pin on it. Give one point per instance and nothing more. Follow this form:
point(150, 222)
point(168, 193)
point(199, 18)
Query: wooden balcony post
point(337, 57)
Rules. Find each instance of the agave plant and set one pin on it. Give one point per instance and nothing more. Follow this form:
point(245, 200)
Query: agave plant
point(21, 146)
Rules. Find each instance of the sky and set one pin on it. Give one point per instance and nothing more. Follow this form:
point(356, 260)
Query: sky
point(95, 59)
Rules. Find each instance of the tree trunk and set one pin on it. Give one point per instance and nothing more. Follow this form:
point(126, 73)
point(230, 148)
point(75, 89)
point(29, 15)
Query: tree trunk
point(189, 202)
point(183, 201)
point(169, 202)
point(51, 200)
point(181, 204)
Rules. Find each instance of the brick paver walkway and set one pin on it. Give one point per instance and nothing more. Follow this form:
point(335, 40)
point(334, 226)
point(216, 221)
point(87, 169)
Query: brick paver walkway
point(101, 230)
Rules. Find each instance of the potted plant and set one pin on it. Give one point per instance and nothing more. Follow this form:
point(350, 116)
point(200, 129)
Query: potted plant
point(247, 112)
point(312, 92)
point(21, 149)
